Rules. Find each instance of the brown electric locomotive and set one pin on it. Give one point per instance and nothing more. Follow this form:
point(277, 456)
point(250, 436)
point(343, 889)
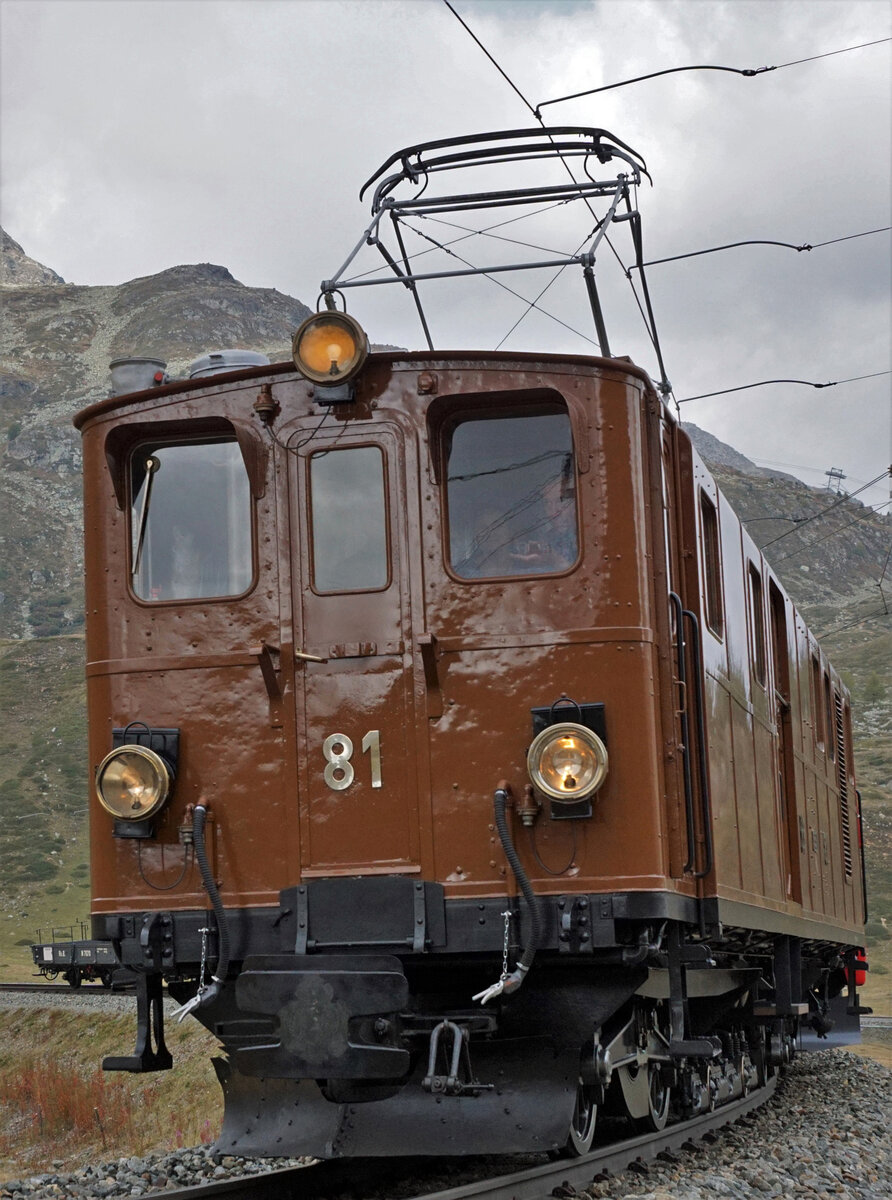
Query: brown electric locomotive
point(459, 761)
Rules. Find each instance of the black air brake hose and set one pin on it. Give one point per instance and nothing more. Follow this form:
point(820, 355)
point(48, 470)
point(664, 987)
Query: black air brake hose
point(500, 806)
point(210, 886)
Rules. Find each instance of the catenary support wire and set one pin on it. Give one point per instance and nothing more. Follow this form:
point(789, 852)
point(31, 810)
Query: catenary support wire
point(746, 72)
point(764, 383)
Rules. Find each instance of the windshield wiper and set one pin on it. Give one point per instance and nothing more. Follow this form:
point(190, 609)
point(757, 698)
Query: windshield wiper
point(152, 465)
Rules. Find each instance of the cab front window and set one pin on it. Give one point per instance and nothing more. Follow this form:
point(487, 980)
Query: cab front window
point(190, 519)
point(511, 495)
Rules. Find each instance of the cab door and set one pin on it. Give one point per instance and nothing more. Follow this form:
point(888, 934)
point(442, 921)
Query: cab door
point(355, 726)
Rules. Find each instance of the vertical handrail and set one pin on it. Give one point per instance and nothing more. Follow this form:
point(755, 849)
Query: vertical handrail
point(703, 766)
point(861, 854)
point(678, 608)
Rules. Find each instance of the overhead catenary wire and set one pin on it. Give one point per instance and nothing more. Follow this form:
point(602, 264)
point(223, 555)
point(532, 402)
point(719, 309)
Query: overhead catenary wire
point(765, 382)
point(826, 537)
point(831, 630)
point(883, 576)
point(829, 509)
point(770, 462)
point(653, 262)
point(746, 72)
point(504, 74)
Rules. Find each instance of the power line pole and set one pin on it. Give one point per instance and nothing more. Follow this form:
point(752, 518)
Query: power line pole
point(835, 476)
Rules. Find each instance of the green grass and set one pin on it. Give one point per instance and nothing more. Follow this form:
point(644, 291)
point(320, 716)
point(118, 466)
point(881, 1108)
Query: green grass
point(44, 874)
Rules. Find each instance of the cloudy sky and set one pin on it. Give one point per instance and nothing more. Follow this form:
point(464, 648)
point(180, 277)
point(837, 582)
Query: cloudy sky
point(140, 134)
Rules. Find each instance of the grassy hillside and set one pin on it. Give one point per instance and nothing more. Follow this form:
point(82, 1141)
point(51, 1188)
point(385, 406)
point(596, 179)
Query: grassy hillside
point(44, 879)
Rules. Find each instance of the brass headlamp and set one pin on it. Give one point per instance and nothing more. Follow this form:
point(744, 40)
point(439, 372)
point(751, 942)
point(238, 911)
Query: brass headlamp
point(133, 783)
point(567, 762)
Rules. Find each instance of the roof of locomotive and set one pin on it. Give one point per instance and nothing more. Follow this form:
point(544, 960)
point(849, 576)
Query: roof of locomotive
point(210, 382)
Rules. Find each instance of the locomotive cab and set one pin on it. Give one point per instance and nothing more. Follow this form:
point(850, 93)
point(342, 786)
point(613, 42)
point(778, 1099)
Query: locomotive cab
point(411, 725)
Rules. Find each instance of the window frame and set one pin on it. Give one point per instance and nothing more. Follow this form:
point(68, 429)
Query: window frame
point(490, 408)
point(162, 438)
point(311, 540)
point(756, 596)
point(819, 730)
point(829, 718)
point(711, 566)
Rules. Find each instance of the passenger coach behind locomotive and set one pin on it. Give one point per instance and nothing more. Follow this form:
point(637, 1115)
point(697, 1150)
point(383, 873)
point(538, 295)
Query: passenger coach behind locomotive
point(405, 668)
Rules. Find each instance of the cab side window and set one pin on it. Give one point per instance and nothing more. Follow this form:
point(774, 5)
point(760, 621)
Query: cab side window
point(712, 566)
point(190, 520)
point(511, 495)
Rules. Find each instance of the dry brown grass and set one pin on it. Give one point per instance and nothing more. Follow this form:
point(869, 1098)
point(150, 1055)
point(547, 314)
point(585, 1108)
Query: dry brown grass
point(57, 1105)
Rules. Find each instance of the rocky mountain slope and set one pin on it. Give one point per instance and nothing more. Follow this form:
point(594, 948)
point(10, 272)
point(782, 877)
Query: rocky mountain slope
point(57, 341)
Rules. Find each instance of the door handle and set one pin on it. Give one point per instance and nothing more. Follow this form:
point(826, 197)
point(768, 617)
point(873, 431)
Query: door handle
point(304, 657)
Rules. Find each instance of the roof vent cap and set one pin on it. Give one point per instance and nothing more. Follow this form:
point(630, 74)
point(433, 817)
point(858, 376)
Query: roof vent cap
point(226, 360)
point(136, 374)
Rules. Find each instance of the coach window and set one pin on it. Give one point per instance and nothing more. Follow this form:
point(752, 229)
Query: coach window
point(349, 520)
point(511, 494)
point(712, 566)
point(817, 711)
point(757, 624)
point(190, 517)
point(828, 717)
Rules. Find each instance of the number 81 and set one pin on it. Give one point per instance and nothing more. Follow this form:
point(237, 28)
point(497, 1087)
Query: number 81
point(338, 751)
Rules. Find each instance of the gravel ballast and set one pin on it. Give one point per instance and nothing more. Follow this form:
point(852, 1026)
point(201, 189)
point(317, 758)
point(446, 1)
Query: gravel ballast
point(825, 1134)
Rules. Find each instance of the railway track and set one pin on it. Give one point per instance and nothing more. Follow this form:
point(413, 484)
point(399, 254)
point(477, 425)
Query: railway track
point(88, 988)
point(54, 989)
point(536, 1182)
point(876, 1022)
point(50, 988)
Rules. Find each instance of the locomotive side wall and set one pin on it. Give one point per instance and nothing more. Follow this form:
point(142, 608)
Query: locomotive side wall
point(783, 797)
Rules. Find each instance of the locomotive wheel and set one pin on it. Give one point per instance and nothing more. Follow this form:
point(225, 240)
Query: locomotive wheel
point(582, 1125)
point(659, 1096)
point(645, 1093)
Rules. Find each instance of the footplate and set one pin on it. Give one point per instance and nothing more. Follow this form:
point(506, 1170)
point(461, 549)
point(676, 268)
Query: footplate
point(529, 1109)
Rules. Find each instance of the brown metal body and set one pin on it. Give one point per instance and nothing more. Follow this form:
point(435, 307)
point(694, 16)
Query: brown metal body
point(330, 612)
point(446, 670)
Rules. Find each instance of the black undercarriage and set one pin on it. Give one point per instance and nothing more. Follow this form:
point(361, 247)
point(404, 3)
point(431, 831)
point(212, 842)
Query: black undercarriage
point(349, 1023)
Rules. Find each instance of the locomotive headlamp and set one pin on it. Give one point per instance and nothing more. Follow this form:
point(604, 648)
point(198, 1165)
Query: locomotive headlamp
point(329, 348)
point(567, 762)
point(133, 782)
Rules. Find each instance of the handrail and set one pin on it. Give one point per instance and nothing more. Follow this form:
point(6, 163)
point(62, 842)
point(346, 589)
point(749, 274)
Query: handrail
point(681, 613)
point(703, 766)
point(675, 602)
